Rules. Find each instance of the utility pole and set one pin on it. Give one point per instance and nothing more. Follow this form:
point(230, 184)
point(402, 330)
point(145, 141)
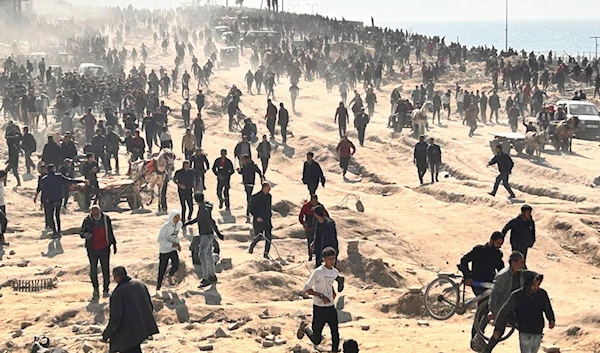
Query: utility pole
point(312, 8)
point(595, 38)
point(506, 30)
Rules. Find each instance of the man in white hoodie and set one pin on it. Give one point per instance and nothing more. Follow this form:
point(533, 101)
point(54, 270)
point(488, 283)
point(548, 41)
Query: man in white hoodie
point(168, 246)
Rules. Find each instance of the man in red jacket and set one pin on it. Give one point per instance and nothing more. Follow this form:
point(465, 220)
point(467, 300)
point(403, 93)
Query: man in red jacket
point(346, 149)
point(307, 219)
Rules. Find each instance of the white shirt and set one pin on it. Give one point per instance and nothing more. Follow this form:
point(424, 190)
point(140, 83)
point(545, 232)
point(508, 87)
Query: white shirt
point(445, 99)
point(321, 281)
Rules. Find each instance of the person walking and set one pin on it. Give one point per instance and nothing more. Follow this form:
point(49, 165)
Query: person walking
point(434, 156)
point(360, 123)
point(89, 170)
point(223, 169)
point(131, 314)
point(51, 186)
point(198, 128)
point(260, 209)
point(185, 180)
point(312, 174)
point(248, 169)
point(494, 103)
point(188, 143)
point(29, 146)
point(345, 149)
point(522, 231)
point(505, 166)
point(420, 157)
point(325, 233)
point(99, 150)
point(168, 247)
point(186, 109)
point(264, 153)
point(271, 116)
point(529, 305)
point(308, 221)
point(283, 121)
point(320, 286)
point(13, 141)
point(113, 141)
point(97, 230)
point(203, 243)
point(199, 164)
point(342, 118)
point(51, 152)
point(243, 148)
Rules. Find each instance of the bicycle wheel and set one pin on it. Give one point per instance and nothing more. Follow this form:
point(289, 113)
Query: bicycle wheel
point(482, 324)
point(442, 298)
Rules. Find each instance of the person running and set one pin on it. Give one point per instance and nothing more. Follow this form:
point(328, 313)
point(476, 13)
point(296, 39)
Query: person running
point(529, 305)
point(312, 174)
point(52, 193)
point(342, 118)
point(505, 166)
point(264, 153)
point(308, 221)
point(320, 286)
point(131, 314)
point(203, 243)
point(260, 209)
point(522, 231)
point(345, 149)
point(97, 230)
point(248, 169)
point(223, 169)
point(434, 156)
point(420, 157)
point(486, 261)
point(168, 246)
point(185, 180)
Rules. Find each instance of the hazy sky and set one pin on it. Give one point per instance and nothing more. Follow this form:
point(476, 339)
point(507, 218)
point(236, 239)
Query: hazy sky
point(410, 11)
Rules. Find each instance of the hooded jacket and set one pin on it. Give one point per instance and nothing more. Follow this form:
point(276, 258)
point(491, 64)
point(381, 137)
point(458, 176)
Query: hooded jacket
point(529, 307)
point(503, 287)
point(169, 234)
point(325, 235)
point(88, 227)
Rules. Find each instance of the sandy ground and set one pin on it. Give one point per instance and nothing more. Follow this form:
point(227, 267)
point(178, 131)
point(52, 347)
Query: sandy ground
point(407, 233)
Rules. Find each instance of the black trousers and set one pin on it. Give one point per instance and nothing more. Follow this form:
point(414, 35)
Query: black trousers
point(321, 316)
point(102, 255)
point(260, 229)
point(265, 164)
point(310, 237)
point(361, 136)
point(477, 291)
point(312, 188)
point(223, 191)
point(284, 133)
point(162, 204)
point(342, 129)
point(136, 349)
point(344, 162)
point(249, 188)
point(421, 170)
point(185, 198)
point(52, 213)
point(94, 189)
point(163, 262)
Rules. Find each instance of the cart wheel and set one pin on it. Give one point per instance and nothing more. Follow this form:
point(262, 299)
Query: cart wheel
point(107, 202)
point(132, 202)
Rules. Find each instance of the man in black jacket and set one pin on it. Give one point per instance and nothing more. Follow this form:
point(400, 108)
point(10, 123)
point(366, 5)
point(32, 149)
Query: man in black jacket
point(67, 170)
point(99, 149)
point(223, 169)
point(260, 209)
point(522, 231)
point(264, 153)
point(283, 121)
point(420, 157)
point(505, 165)
point(184, 178)
point(52, 185)
point(248, 170)
point(98, 233)
point(199, 164)
point(434, 155)
point(486, 261)
point(113, 141)
point(131, 314)
point(312, 174)
point(29, 145)
point(51, 152)
point(68, 148)
point(529, 304)
point(202, 244)
point(89, 170)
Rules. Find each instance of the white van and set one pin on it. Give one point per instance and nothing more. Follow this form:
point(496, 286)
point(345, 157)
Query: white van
point(589, 118)
point(89, 69)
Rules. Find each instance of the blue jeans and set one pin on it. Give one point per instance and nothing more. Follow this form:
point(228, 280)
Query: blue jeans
point(529, 343)
point(503, 177)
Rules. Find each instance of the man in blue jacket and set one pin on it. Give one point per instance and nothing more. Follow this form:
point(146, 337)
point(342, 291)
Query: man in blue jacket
point(52, 194)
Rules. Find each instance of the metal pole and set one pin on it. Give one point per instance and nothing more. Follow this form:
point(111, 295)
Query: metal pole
point(506, 30)
point(596, 39)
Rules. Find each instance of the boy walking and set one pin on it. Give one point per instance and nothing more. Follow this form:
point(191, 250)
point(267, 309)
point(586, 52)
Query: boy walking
point(320, 286)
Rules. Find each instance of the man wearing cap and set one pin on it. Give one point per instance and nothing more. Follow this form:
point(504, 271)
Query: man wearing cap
point(522, 231)
point(89, 170)
point(52, 193)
